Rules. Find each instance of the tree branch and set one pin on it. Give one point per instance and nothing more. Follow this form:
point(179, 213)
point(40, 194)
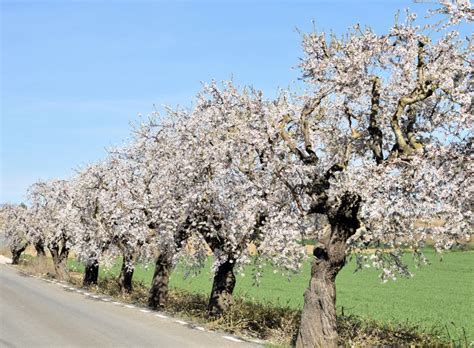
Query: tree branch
point(423, 90)
point(308, 156)
point(308, 110)
point(375, 132)
point(287, 138)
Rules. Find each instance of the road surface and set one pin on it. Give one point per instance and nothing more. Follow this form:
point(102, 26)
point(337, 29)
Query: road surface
point(35, 313)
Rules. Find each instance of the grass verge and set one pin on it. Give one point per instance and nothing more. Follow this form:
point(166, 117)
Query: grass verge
point(278, 325)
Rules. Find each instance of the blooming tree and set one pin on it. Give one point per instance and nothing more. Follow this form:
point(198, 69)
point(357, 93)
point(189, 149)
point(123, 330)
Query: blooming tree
point(92, 239)
point(15, 227)
point(157, 154)
point(50, 203)
point(227, 140)
point(381, 145)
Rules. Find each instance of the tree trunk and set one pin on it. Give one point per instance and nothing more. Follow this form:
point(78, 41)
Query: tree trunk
point(39, 247)
point(126, 274)
point(16, 253)
point(91, 273)
point(158, 294)
point(222, 288)
point(60, 256)
point(318, 319)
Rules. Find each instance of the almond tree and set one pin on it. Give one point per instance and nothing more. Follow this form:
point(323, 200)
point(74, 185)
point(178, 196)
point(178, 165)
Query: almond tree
point(125, 216)
point(92, 240)
point(50, 202)
point(239, 199)
point(381, 142)
point(15, 227)
point(158, 155)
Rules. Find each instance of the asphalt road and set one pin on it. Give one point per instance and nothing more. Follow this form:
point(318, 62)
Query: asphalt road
point(35, 313)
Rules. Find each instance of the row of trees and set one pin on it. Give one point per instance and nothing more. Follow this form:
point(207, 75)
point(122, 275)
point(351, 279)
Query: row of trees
point(380, 144)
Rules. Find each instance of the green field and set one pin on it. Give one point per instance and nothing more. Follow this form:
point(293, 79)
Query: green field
point(439, 295)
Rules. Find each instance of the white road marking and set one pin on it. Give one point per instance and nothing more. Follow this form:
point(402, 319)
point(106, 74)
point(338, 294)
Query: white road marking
point(256, 341)
point(145, 310)
point(87, 294)
point(105, 300)
point(180, 322)
point(161, 316)
point(129, 306)
point(230, 338)
point(117, 303)
point(200, 328)
point(95, 296)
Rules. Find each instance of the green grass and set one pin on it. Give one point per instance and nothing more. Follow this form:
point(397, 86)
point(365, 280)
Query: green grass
point(439, 295)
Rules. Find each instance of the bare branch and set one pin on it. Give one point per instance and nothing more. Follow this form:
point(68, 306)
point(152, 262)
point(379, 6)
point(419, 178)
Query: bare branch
point(374, 131)
point(308, 109)
point(423, 90)
point(287, 138)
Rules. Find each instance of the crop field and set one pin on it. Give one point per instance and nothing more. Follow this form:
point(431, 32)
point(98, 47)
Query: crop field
point(440, 295)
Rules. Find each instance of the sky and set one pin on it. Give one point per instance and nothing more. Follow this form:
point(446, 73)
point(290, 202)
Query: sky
point(76, 74)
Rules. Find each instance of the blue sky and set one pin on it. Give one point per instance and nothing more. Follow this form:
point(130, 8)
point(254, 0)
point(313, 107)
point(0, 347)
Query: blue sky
point(74, 74)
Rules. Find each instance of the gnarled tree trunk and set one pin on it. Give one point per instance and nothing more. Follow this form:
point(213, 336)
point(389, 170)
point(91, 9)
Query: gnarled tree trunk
point(222, 288)
point(16, 253)
point(126, 273)
point(60, 255)
point(158, 294)
point(318, 320)
point(91, 273)
point(39, 247)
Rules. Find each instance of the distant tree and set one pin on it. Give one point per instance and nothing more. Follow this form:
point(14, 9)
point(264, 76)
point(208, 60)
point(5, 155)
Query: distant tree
point(49, 204)
point(15, 229)
point(110, 220)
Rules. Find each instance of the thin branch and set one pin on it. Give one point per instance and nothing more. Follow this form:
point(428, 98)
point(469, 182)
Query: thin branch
point(308, 109)
point(292, 190)
point(287, 138)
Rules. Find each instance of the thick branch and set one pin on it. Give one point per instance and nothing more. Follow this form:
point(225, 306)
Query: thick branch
point(375, 132)
point(354, 136)
point(423, 90)
point(287, 138)
point(308, 156)
point(308, 110)
point(410, 130)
